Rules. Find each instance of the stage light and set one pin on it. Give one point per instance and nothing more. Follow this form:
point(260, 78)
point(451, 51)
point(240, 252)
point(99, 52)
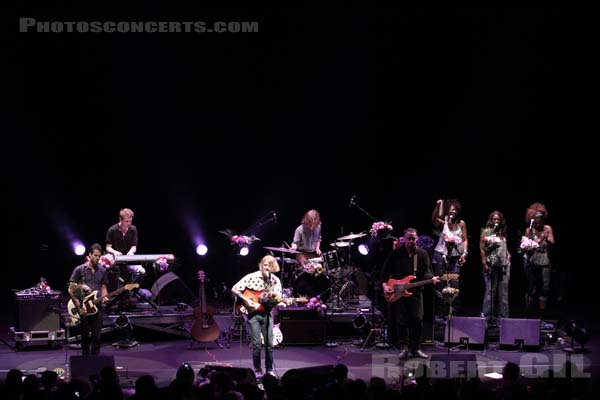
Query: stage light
point(244, 251)
point(124, 328)
point(79, 248)
point(578, 335)
point(359, 321)
point(201, 249)
point(363, 249)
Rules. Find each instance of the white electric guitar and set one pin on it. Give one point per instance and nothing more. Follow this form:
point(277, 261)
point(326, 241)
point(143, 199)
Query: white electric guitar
point(277, 336)
point(90, 302)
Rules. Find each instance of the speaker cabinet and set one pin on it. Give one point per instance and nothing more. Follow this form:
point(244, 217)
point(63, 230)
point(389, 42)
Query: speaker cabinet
point(169, 289)
point(82, 367)
point(519, 332)
point(303, 332)
point(37, 313)
point(465, 330)
point(314, 377)
point(449, 366)
point(237, 374)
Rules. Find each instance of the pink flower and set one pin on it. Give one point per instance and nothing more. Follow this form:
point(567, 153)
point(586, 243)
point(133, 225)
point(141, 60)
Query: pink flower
point(528, 244)
point(379, 226)
point(162, 263)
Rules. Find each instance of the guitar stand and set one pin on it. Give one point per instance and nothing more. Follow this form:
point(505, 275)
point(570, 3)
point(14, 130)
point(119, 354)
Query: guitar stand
point(216, 341)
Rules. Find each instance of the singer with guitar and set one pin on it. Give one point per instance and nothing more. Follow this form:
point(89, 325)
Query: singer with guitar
point(406, 307)
point(260, 292)
point(88, 277)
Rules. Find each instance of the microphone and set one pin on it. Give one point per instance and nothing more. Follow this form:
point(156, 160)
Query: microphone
point(352, 200)
point(274, 217)
point(495, 227)
point(531, 223)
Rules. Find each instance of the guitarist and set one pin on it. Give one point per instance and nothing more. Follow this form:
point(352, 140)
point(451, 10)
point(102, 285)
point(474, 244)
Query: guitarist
point(406, 313)
point(263, 280)
point(86, 278)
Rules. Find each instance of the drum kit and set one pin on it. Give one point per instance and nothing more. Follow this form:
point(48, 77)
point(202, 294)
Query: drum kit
point(328, 276)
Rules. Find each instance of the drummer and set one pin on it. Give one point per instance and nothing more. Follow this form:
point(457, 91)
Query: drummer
point(307, 236)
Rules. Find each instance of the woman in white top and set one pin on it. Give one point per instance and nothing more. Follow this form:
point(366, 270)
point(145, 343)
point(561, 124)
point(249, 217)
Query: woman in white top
point(452, 248)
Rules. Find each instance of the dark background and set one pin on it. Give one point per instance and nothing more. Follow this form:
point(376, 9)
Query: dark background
point(200, 132)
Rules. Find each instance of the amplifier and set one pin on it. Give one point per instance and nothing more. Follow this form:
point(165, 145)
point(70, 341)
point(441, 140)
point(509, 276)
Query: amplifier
point(298, 313)
point(37, 313)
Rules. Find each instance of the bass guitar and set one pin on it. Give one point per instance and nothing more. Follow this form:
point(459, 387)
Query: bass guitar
point(90, 302)
point(204, 329)
point(402, 286)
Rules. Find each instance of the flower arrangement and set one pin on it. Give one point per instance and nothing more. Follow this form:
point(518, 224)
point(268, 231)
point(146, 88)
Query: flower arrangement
point(268, 300)
point(239, 240)
point(314, 303)
point(528, 244)
point(452, 239)
point(162, 264)
point(425, 242)
point(380, 228)
point(490, 243)
point(107, 260)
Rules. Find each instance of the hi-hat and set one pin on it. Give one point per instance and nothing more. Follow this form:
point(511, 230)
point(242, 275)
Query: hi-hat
point(282, 249)
point(352, 236)
point(340, 244)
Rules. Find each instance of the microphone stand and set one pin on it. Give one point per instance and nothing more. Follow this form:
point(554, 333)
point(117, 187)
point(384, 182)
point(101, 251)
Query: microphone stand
point(355, 204)
point(378, 331)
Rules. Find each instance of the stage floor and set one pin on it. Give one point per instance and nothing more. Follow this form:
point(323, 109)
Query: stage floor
point(161, 358)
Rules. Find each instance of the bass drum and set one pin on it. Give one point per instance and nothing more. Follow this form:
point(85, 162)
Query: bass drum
point(311, 285)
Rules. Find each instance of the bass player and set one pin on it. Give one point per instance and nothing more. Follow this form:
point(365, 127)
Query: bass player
point(406, 309)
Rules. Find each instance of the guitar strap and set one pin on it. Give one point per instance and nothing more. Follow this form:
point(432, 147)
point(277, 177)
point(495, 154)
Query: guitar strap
point(415, 264)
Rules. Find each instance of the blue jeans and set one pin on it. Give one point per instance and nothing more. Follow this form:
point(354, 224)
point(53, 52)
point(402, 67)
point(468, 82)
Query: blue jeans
point(258, 325)
point(496, 289)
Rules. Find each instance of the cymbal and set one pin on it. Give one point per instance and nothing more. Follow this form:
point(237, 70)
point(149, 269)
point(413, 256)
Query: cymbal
point(282, 249)
point(352, 236)
point(340, 244)
point(285, 260)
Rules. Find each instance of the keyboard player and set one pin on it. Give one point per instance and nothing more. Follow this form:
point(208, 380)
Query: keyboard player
point(122, 239)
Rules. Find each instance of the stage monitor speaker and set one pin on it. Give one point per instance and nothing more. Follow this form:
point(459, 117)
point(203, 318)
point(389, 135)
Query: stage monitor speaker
point(303, 332)
point(519, 332)
point(449, 366)
point(38, 313)
point(237, 374)
point(169, 289)
point(82, 367)
point(466, 330)
point(317, 376)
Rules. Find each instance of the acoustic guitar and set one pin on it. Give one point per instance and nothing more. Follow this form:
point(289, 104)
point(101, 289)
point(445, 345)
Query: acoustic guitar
point(204, 329)
point(402, 286)
point(255, 295)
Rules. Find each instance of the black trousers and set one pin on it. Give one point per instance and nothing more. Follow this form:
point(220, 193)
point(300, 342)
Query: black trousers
point(406, 315)
point(91, 330)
